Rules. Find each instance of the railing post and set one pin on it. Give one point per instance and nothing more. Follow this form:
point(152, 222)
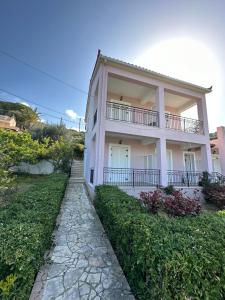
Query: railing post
point(133, 178)
point(188, 183)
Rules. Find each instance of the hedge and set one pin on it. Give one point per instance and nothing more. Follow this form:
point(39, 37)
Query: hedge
point(26, 226)
point(163, 257)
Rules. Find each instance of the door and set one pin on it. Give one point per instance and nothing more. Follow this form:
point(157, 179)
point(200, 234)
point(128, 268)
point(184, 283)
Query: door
point(119, 163)
point(189, 162)
point(216, 163)
point(192, 178)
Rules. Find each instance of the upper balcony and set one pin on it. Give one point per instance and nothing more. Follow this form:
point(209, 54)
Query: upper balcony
point(134, 102)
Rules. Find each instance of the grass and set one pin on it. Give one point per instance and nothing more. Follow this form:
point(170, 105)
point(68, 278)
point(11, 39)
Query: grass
point(27, 220)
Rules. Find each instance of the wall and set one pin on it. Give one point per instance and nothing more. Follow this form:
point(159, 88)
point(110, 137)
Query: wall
point(138, 151)
point(43, 167)
point(221, 147)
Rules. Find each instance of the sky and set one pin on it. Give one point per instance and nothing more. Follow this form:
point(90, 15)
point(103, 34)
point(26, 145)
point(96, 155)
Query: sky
point(183, 39)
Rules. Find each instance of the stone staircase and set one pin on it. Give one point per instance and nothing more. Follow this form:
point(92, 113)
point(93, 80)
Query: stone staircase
point(77, 171)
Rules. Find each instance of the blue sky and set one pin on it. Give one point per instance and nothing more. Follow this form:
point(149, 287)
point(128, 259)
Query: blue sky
point(62, 38)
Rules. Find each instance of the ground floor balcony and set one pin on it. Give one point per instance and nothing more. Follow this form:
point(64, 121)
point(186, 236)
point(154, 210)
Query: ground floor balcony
point(151, 177)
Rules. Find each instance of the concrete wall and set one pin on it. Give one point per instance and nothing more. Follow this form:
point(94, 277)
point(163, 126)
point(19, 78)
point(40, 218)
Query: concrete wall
point(43, 167)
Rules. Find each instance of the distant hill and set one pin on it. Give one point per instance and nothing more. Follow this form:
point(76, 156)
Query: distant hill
point(25, 116)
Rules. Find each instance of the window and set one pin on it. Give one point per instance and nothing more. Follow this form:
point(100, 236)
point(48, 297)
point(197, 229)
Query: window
point(149, 161)
point(95, 118)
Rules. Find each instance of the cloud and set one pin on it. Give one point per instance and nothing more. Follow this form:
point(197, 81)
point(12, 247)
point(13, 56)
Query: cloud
point(72, 114)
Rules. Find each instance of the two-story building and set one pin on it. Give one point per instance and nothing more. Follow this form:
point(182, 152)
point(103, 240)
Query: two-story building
point(137, 135)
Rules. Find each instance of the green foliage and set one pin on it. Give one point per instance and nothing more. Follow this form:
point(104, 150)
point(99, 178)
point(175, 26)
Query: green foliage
point(169, 190)
point(17, 147)
point(73, 138)
point(53, 131)
point(162, 257)
point(61, 153)
point(26, 225)
point(25, 115)
point(6, 285)
point(205, 181)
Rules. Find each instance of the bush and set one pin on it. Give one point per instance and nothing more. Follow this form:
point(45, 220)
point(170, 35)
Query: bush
point(181, 205)
point(215, 194)
point(26, 225)
point(152, 201)
point(164, 258)
point(169, 190)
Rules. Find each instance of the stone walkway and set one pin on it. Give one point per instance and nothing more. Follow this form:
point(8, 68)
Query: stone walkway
point(83, 264)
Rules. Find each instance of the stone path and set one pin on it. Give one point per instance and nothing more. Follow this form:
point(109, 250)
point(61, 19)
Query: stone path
point(83, 264)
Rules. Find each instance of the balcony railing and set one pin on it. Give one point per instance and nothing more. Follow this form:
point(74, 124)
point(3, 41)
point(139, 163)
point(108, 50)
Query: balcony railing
point(184, 124)
point(131, 177)
point(184, 178)
point(131, 114)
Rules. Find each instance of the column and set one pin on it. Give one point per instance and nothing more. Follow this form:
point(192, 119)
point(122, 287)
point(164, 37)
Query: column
point(160, 106)
point(162, 160)
point(100, 141)
point(202, 114)
point(206, 158)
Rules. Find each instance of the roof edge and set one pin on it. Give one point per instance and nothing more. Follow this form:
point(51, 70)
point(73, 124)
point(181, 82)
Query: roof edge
point(166, 78)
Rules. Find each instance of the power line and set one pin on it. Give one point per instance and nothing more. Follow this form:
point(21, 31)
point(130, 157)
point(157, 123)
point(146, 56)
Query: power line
point(46, 114)
point(42, 71)
point(29, 101)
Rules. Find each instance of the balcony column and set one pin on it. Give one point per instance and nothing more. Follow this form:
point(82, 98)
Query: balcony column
point(100, 134)
point(206, 158)
point(162, 160)
point(160, 106)
point(202, 114)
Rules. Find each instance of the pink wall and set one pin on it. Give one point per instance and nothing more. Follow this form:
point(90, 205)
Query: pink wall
point(138, 151)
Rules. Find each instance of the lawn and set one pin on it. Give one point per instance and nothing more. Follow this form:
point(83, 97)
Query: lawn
point(165, 257)
point(27, 220)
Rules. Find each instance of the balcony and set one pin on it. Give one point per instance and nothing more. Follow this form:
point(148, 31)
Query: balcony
point(184, 124)
point(184, 178)
point(131, 114)
point(131, 177)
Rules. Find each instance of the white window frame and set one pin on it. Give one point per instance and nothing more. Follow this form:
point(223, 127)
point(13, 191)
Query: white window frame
point(171, 155)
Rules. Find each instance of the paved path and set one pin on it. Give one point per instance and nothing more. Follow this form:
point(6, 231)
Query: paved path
point(83, 264)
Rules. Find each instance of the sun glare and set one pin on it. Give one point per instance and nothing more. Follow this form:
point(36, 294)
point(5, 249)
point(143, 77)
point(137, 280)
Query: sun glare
point(186, 59)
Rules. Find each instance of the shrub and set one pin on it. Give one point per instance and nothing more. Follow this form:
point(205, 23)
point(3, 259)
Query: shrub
point(215, 194)
point(26, 225)
point(169, 190)
point(152, 201)
point(164, 258)
point(180, 205)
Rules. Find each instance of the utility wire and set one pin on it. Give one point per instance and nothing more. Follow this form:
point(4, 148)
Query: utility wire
point(35, 103)
point(42, 71)
point(46, 114)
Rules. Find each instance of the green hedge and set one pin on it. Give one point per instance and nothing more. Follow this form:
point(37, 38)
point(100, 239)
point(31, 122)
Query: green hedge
point(162, 257)
point(26, 225)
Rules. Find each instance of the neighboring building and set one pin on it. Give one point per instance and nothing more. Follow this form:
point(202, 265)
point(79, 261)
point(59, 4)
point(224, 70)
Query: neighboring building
point(218, 150)
point(7, 122)
point(136, 133)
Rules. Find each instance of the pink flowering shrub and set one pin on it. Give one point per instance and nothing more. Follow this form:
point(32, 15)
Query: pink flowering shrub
point(178, 205)
point(175, 205)
point(152, 201)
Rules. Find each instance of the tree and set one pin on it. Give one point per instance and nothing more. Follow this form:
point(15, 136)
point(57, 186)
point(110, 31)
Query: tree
point(25, 115)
